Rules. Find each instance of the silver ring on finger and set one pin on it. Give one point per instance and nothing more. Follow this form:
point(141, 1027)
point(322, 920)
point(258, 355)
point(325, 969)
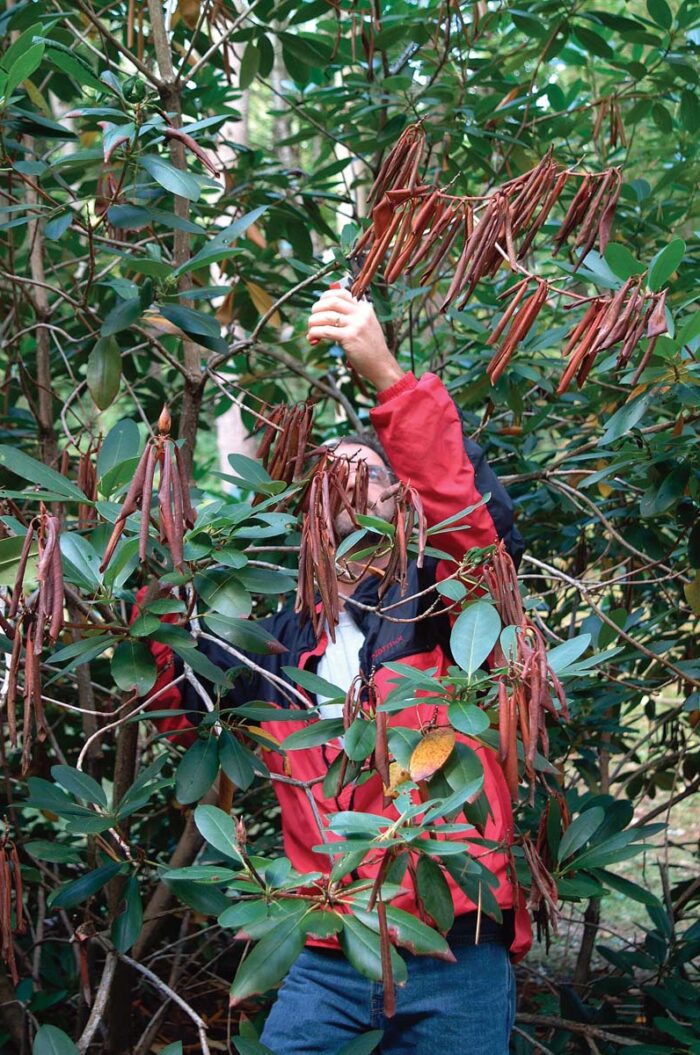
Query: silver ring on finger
point(338, 320)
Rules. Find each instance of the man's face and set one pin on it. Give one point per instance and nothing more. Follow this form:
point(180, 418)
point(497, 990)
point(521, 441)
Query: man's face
point(380, 480)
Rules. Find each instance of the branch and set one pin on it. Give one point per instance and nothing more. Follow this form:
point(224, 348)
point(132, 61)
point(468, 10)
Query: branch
point(108, 35)
point(585, 592)
point(574, 1027)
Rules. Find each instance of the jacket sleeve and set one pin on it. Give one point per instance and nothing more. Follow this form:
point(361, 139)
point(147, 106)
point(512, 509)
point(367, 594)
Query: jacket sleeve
point(421, 431)
point(168, 696)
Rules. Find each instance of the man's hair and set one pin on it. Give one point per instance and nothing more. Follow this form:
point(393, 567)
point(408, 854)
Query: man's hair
point(366, 439)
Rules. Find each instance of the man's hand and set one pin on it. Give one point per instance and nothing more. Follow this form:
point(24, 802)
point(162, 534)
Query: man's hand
point(337, 316)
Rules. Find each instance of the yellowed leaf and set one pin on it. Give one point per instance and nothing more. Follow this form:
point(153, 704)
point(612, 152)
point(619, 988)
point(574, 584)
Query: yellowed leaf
point(397, 776)
point(188, 11)
point(692, 593)
point(226, 311)
point(256, 236)
point(431, 753)
point(263, 302)
point(159, 322)
point(36, 97)
point(262, 734)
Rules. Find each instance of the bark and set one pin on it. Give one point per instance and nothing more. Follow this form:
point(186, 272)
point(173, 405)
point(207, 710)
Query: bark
point(171, 99)
point(155, 915)
point(42, 311)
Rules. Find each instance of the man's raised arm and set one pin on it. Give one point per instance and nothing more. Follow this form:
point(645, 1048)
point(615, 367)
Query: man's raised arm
point(418, 424)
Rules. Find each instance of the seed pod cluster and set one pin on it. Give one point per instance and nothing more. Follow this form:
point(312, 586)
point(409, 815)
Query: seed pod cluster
point(420, 228)
point(323, 499)
point(10, 882)
point(527, 688)
point(283, 447)
point(176, 513)
point(408, 515)
point(87, 482)
point(418, 224)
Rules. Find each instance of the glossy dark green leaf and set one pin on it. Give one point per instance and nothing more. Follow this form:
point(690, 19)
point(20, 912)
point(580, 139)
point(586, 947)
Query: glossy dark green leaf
point(250, 64)
point(35, 472)
point(50, 1040)
point(133, 667)
point(235, 761)
point(580, 831)
point(127, 926)
point(80, 784)
point(360, 739)
point(104, 371)
point(271, 958)
point(123, 315)
point(435, 893)
point(197, 770)
point(362, 1045)
point(467, 718)
point(666, 261)
point(314, 734)
point(474, 634)
point(171, 179)
point(79, 890)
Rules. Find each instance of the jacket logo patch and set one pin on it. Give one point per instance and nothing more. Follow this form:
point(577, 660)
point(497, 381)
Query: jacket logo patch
point(385, 648)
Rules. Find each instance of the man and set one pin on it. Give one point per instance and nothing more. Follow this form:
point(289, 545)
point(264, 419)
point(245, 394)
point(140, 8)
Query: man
point(468, 1005)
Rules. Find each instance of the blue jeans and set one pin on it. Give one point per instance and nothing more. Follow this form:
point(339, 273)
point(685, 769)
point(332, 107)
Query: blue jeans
point(463, 1008)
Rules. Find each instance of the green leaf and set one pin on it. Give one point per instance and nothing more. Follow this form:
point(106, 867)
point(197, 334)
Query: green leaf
point(564, 655)
point(104, 372)
point(249, 470)
point(409, 932)
point(197, 770)
point(81, 564)
point(624, 419)
point(221, 589)
point(313, 684)
point(172, 1049)
point(248, 1046)
point(314, 734)
point(80, 890)
point(580, 831)
point(235, 761)
point(127, 926)
point(435, 892)
point(23, 67)
point(49, 1040)
point(37, 473)
point(474, 634)
point(629, 889)
point(359, 739)
point(122, 443)
point(213, 874)
point(660, 12)
point(467, 718)
point(666, 261)
point(271, 958)
point(133, 667)
point(45, 850)
point(123, 315)
point(181, 183)
point(362, 1045)
point(244, 633)
point(250, 64)
point(361, 946)
point(80, 784)
point(10, 550)
point(58, 226)
point(218, 829)
point(621, 260)
point(200, 328)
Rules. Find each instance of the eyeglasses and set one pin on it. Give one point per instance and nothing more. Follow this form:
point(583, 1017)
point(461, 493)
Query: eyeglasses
point(380, 474)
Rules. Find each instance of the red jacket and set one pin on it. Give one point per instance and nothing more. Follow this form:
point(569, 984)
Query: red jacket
point(420, 429)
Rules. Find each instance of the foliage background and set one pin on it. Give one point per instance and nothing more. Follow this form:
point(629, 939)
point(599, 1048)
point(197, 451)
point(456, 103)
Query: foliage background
point(295, 103)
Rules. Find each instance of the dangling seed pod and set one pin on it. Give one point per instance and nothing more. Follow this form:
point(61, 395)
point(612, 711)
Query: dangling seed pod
point(176, 513)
